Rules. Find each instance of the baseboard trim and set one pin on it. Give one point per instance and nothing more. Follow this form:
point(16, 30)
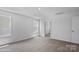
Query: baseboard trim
point(7, 44)
point(65, 41)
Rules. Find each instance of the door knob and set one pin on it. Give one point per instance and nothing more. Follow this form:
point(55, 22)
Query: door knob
point(73, 31)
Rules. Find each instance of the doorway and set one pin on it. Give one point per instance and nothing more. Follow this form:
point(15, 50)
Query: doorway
point(48, 26)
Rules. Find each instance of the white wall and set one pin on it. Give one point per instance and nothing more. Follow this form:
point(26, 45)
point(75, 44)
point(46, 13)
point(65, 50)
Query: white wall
point(61, 27)
point(75, 28)
point(22, 28)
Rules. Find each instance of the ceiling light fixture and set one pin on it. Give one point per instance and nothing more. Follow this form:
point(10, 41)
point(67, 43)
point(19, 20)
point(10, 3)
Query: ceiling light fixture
point(39, 9)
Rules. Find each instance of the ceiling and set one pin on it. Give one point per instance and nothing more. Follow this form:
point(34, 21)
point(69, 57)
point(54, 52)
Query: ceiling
point(44, 11)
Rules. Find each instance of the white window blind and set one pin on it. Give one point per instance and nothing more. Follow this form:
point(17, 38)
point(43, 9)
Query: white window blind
point(5, 26)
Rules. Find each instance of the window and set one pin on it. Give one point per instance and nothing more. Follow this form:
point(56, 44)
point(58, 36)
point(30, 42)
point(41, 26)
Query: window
point(35, 26)
point(5, 26)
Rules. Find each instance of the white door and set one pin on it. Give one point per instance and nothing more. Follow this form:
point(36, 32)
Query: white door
point(75, 29)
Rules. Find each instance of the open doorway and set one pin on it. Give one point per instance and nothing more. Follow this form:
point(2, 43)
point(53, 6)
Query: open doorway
point(35, 27)
point(47, 26)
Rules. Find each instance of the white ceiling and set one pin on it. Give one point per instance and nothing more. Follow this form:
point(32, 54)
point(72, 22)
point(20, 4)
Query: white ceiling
point(44, 11)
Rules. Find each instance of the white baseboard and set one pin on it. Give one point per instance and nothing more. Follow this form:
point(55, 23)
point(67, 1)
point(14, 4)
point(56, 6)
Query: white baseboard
point(6, 41)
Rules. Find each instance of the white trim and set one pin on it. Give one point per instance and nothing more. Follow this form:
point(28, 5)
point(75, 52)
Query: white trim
point(2, 36)
point(4, 46)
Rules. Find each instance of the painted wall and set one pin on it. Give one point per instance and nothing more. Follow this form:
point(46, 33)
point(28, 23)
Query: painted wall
point(75, 29)
point(61, 27)
point(22, 28)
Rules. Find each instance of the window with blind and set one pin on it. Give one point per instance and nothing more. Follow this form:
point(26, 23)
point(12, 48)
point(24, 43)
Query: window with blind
point(5, 26)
